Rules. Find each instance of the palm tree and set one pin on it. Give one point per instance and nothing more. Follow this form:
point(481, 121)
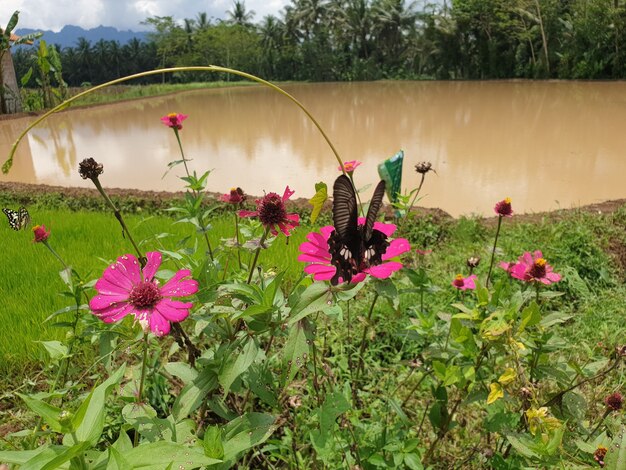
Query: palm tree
point(393, 23)
point(239, 15)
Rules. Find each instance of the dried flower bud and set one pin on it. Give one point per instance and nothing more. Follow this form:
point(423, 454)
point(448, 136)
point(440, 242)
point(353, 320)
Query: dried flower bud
point(526, 393)
point(424, 167)
point(614, 402)
point(415, 363)
point(473, 262)
point(90, 169)
point(621, 350)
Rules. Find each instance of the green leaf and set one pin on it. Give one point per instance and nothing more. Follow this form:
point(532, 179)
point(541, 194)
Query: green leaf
point(12, 23)
point(235, 366)
point(247, 431)
point(117, 461)
point(521, 444)
point(65, 456)
point(531, 316)
point(212, 442)
point(26, 77)
point(413, 462)
point(89, 418)
point(49, 413)
point(314, 299)
point(158, 455)
point(56, 350)
point(616, 455)
point(182, 370)
point(555, 319)
point(192, 395)
point(321, 195)
point(20, 457)
point(295, 352)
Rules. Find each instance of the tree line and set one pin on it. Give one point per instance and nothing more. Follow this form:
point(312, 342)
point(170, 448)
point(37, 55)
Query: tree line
point(324, 40)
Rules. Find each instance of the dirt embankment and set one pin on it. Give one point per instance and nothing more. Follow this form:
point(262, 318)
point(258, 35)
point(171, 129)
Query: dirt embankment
point(28, 193)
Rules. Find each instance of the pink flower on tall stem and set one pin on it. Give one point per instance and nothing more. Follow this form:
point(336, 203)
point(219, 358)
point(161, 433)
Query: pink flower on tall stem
point(349, 166)
point(124, 289)
point(236, 196)
point(532, 268)
point(174, 120)
point(41, 234)
point(465, 283)
point(316, 253)
point(504, 208)
point(272, 213)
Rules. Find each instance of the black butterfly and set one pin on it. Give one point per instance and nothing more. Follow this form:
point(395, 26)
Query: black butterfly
point(17, 219)
point(354, 247)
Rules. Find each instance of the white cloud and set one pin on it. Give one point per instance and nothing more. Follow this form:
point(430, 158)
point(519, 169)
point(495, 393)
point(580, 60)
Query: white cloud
point(122, 14)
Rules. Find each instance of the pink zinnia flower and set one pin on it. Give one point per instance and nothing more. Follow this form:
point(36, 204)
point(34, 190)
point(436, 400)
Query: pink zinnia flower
point(236, 196)
point(464, 283)
point(316, 253)
point(532, 268)
point(174, 120)
point(272, 213)
point(503, 208)
point(350, 166)
point(41, 234)
point(124, 289)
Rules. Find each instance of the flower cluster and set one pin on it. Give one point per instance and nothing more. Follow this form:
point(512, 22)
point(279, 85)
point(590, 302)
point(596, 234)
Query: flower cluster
point(272, 213)
point(174, 120)
point(90, 169)
point(532, 268)
point(316, 252)
point(124, 289)
point(600, 454)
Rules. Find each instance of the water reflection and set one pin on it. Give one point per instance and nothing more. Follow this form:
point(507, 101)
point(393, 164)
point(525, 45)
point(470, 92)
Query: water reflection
point(544, 144)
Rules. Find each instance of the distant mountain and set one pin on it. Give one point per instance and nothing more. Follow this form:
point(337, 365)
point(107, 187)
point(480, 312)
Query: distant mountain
point(68, 36)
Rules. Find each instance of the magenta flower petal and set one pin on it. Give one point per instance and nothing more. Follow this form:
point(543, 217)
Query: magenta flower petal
point(128, 266)
point(174, 310)
point(288, 193)
point(359, 277)
point(326, 231)
point(383, 271)
point(320, 272)
point(313, 249)
point(179, 287)
point(396, 248)
point(117, 277)
point(101, 301)
point(152, 266)
point(387, 229)
point(114, 313)
point(106, 287)
point(243, 213)
point(312, 258)
point(158, 324)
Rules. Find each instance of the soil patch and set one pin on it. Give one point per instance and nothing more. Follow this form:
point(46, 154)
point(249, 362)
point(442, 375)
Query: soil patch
point(26, 194)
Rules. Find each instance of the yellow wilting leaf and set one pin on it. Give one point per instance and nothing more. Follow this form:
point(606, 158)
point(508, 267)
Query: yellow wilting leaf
point(508, 376)
point(496, 392)
point(321, 194)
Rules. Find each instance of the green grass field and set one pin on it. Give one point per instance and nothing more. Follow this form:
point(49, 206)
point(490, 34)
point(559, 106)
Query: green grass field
point(29, 280)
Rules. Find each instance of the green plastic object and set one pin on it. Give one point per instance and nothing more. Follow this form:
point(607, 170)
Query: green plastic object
point(390, 172)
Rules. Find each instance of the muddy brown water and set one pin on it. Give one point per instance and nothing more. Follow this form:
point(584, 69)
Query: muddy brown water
point(547, 145)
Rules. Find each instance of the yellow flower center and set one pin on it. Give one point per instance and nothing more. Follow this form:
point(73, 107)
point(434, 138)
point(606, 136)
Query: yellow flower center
point(36, 227)
point(172, 115)
point(507, 200)
point(540, 262)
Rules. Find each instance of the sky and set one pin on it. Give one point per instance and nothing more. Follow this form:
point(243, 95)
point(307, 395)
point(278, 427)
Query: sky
point(122, 14)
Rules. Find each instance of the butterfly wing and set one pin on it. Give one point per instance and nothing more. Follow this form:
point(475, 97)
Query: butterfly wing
point(375, 205)
point(344, 243)
point(24, 217)
point(17, 219)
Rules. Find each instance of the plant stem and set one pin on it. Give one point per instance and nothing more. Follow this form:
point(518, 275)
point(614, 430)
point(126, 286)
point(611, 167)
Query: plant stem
point(493, 251)
point(408, 211)
point(56, 255)
point(237, 238)
point(256, 254)
point(606, 413)
point(120, 219)
point(361, 211)
point(144, 363)
point(195, 193)
point(360, 364)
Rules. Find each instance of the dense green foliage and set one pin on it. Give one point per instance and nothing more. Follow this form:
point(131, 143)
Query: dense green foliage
point(323, 40)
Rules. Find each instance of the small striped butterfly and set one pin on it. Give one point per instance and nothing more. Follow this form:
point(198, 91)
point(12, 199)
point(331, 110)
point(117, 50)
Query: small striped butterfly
point(17, 219)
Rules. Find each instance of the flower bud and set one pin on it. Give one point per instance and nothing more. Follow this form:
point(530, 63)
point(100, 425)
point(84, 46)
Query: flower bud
point(90, 169)
point(424, 167)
